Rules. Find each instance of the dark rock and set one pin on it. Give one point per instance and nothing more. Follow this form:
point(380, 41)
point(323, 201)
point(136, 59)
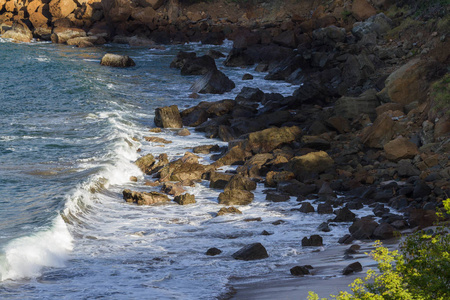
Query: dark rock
point(299, 271)
point(344, 215)
point(146, 163)
point(278, 222)
point(181, 58)
point(384, 231)
point(324, 208)
point(115, 60)
point(324, 227)
point(185, 199)
point(198, 65)
point(314, 240)
point(363, 228)
point(306, 208)
point(271, 138)
point(353, 249)
point(206, 149)
point(421, 190)
point(346, 239)
point(248, 94)
point(251, 252)
point(213, 252)
point(235, 197)
point(266, 233)
point(352, 268)
point(355, 204)
point(247, 76)
point(214, 82)
point(215, 54)
point(421, 218)
point(168, 117)
point(277, 196)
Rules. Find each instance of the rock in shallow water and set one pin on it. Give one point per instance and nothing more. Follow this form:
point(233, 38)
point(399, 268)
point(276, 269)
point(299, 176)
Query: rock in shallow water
point(251, 252)
point(115, 60)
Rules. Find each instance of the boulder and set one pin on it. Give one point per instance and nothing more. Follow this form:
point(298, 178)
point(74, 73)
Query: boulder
point(214, 82)
point(144, 198)
point(306, 208)
point(363, 228)
point(400, 148)
point(19, 32)
point(248, 94)
point(324, 227)
point(198, 65)
point(270, 139)
point(352, 107)
point(324, 208)
point(206, 149)
point(274, 177)
point(384, 231)
point(174, 189)
point(411, 82)
point(115, 60)
point(219, 180)
point(60, 9)
point(156, 139)
point(181, 59)
point(168, 117)
point(213, 252)
point(314, 240)
point(380, 133)
point(251, 252)
point(275, 196)
point(146, 163)
point(352, 268)
point(344, 215)
point(362, 9)
point(239, 182)
point(235, 155)
point(300, 271)
point(185, 199)
point(252, 167)
point(236, 197)
point(313, 162)
point(228, 210)
point(117, 11)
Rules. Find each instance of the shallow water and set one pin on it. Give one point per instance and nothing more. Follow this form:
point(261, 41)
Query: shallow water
point(66, 153)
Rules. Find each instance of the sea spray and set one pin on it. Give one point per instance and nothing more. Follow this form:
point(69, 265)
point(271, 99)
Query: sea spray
point(25, 257)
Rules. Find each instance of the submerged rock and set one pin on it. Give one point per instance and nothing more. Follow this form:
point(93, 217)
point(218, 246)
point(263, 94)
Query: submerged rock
point(115, 60)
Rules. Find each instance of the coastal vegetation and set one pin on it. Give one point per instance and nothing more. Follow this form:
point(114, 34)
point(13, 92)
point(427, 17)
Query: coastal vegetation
point(420, 270)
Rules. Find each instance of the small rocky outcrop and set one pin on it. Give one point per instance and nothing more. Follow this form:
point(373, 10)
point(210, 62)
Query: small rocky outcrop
point(363, 228)
point(213, 251)
point(228, 210)
point(236, 197)
point(314, 240)
point(300, 270)
point(168, 117)
point(251, 252)
point(214, 82)
point(144, 198)
point(115, 60)
point(185, 199)
point(344, 215)
point(400, 148)
point(352, 268)
point(239, 182)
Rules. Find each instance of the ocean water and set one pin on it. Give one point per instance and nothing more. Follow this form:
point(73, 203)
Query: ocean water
point(69, 134)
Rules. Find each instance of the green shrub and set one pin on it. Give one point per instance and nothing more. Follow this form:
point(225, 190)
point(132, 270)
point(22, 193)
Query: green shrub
point(420, 271)
point(440, 92)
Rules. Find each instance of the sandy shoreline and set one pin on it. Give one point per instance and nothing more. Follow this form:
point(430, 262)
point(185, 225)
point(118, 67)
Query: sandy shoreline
point(326, 278)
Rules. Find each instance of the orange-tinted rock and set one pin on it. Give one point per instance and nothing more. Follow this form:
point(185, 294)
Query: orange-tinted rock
point(362, 9)
point(61, 8)
point(400, 148)
point(380, 132)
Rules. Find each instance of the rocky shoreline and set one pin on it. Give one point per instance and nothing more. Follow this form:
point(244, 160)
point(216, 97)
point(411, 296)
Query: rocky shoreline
point(367, 121)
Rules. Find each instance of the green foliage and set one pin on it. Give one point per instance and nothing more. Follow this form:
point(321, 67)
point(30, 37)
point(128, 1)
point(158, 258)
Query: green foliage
point(441, 94)
point(420, 271)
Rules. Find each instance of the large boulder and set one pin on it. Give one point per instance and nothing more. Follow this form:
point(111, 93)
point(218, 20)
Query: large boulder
point(214, 82)
point(344, 215)
point(60, 9)
point(253, 166)
point(400, 148)
point(185, 199)
point(313, 162)
point(314, 240)
point(19, 32)
point(411, 82)
point(236, 197)
point(380, 133)
point(146, 163)
point(117, 11)
point(251, 252)
point(180, 170)
point(352, 107)
point(239, 182)
point(219, 180)
point(181, 58)
point(362, 9)
point(168, 117)
point(198, 65)
point(379, 24)
point(115, 60)
point(352, 268)
point(270, 139)
point(363, 228)
point(144, 198)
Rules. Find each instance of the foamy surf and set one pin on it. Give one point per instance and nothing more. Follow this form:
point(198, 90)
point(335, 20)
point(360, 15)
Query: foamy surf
point(27, 256)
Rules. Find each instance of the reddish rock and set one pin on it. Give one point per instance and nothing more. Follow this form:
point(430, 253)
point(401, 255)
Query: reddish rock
point(362, 9)
point(380, 133)
point(60, 9)
point(400, 148)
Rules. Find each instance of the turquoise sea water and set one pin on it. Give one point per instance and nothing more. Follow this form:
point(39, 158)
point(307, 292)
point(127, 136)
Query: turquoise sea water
point(69, 134)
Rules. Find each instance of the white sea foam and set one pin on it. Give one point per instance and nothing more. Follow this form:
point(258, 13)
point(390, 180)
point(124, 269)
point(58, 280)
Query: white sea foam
point(26, 256)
